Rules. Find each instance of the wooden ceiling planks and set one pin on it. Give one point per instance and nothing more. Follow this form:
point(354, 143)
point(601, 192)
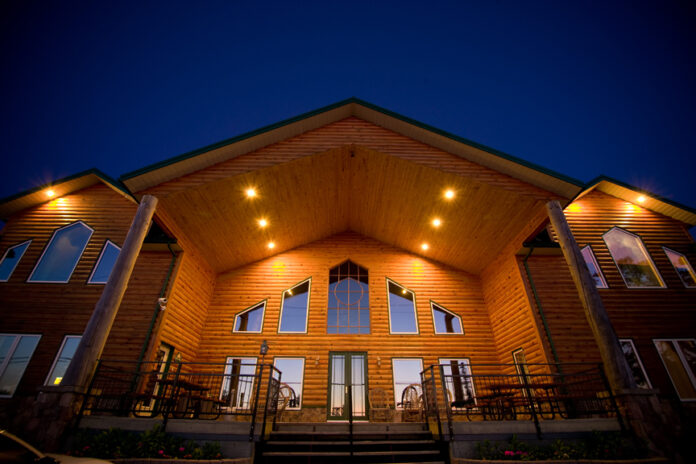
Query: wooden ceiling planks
point(350, 188)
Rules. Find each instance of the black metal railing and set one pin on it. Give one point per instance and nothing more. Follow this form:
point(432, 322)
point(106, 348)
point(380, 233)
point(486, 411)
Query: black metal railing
point(183, 390)
point(515, 392)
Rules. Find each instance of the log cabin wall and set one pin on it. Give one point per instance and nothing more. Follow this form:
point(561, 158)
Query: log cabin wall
point(55, 310)
point(239, 289)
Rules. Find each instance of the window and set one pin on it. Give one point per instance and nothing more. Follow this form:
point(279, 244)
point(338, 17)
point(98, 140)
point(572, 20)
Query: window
point(402, 309)
point(105, 263)
point(238, 383)
point(294, 309)
point(679, 357)
point(593, 267)
point(406, 372)
point(292, 370)
point(10, 259)
point(631, 354)
point(632, 259)
point(457, 377)
point(15, 353)
point(682, 266)
point(349, 300)
point(520, 361)
point(251, 319)
point(445, 322)
point(62, 361)
point(61, 255)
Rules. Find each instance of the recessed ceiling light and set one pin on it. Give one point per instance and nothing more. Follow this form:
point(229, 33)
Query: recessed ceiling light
point(425, 246)
point(250, 192)
point(263, 222)
point(437, 222)
point(449, 194)
point(50, 193)
point(641, 199)
point(271, 245)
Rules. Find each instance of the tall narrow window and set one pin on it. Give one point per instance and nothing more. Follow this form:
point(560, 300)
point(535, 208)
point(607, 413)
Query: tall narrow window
point(402, 309)
point(63, 358)
point(292, 370)
point(237, 386)
point(15, 353)
point(294, 309)
point(105, 263)
point(10, 260)
point(679, 357)
point(682, 266)
point(406, 374)
point(632, 259)
point(593, 267)
point(634, 362)
point(251, 319)
point(61, 255)
point(457, 378)
point(522, 368)
point(445, 321)
point(349, 300)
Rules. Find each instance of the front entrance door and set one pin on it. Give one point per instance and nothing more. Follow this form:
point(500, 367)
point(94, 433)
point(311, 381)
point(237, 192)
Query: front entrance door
point(347, 368)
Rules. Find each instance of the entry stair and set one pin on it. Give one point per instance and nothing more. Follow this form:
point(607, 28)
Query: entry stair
point(320, 443)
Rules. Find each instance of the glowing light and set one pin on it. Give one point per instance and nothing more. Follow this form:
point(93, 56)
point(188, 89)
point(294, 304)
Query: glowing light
point(449, 194)
point(271, 245)
point(641, 199)
point(58, 381)
point(437, 222)
point(425, 246)
point(250, 192)
point(50, 193)
point(263, 222)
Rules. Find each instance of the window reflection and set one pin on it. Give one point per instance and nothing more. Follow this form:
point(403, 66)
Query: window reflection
point(679, 358)
point(293, 316)
point(632, 259)
point(406, 372)
point(402, 309)
point(62, 254)
point(593, 267)
point(10, 260)
point(637, 369)
point(292, 370)
point(349, 300)
point(65, 355)
point(446, 322)
point(15, 353)
point(105, 263)
point(250, 320)
point(682, 266)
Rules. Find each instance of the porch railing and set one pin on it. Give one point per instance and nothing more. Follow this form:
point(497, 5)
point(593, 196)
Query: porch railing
point(462, 391)
point(185, 391)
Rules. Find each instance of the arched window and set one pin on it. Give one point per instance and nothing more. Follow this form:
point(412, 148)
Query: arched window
point(62, 254)
point(632, 259)
point(349, 300)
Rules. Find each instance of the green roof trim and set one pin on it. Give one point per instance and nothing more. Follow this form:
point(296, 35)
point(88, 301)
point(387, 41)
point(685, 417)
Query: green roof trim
point(105, 178)
point(339, 104)
point(601, 178)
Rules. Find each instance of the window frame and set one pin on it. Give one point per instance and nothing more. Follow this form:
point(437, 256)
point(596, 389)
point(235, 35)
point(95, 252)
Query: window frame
point(415, 309)
point(432, 312)
point(55, 360)
point(647, 254)
point(467, 363)
point(688, 263)
point(263, 303)
point(9, 276)
point(48, 246)
point(301, 393)
point(10, 353)
point(691, 375)
point(96, 264)
point(397, 401)
point(640, 361)
point(282, 307)
point(224, 374)
point(593, 257)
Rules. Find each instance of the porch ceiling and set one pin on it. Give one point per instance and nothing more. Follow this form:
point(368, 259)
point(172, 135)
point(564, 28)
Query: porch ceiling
point(350, 188)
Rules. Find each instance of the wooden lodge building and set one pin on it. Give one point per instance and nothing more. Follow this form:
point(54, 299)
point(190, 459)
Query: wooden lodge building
point(358, 244)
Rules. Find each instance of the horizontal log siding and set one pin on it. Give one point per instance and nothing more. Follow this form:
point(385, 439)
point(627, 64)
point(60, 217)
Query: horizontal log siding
point(349, 131)
point(267, 279)
point(640, 314)
point(56, 310)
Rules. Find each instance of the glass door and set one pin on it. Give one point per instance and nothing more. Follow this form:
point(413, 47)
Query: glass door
point(347, 369)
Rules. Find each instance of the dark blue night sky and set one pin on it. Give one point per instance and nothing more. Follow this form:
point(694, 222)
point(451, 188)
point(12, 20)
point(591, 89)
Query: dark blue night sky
point(585, 89)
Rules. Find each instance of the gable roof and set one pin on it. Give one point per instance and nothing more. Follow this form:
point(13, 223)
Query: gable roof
point(37, 195)
point(186, 163)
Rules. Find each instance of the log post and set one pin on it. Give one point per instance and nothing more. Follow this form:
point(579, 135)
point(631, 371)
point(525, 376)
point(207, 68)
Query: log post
point(94, 337)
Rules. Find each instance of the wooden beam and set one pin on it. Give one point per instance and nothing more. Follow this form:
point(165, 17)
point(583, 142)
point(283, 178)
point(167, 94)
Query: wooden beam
point(94, 337)
point(617, 369)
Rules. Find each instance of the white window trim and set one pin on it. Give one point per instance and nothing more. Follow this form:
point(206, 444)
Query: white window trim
point(18, 259)
point(640, 361)
point(48, 246)
point(683, 361)
point(282, 307)
point(250, 308)
point(647, 253)
point(301, 393)
point(596, 265)
point(11, 351)
point(432, 311)
point(415, 312)
point(55, 360)
point(398, 400)
point(96, 265)
point(467, 362)
point(667, 252)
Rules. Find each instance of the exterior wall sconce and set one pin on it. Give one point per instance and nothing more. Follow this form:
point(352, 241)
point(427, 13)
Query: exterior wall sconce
point(178, 358)
point(379, 361)
point(316, 361)
point(263, 351)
